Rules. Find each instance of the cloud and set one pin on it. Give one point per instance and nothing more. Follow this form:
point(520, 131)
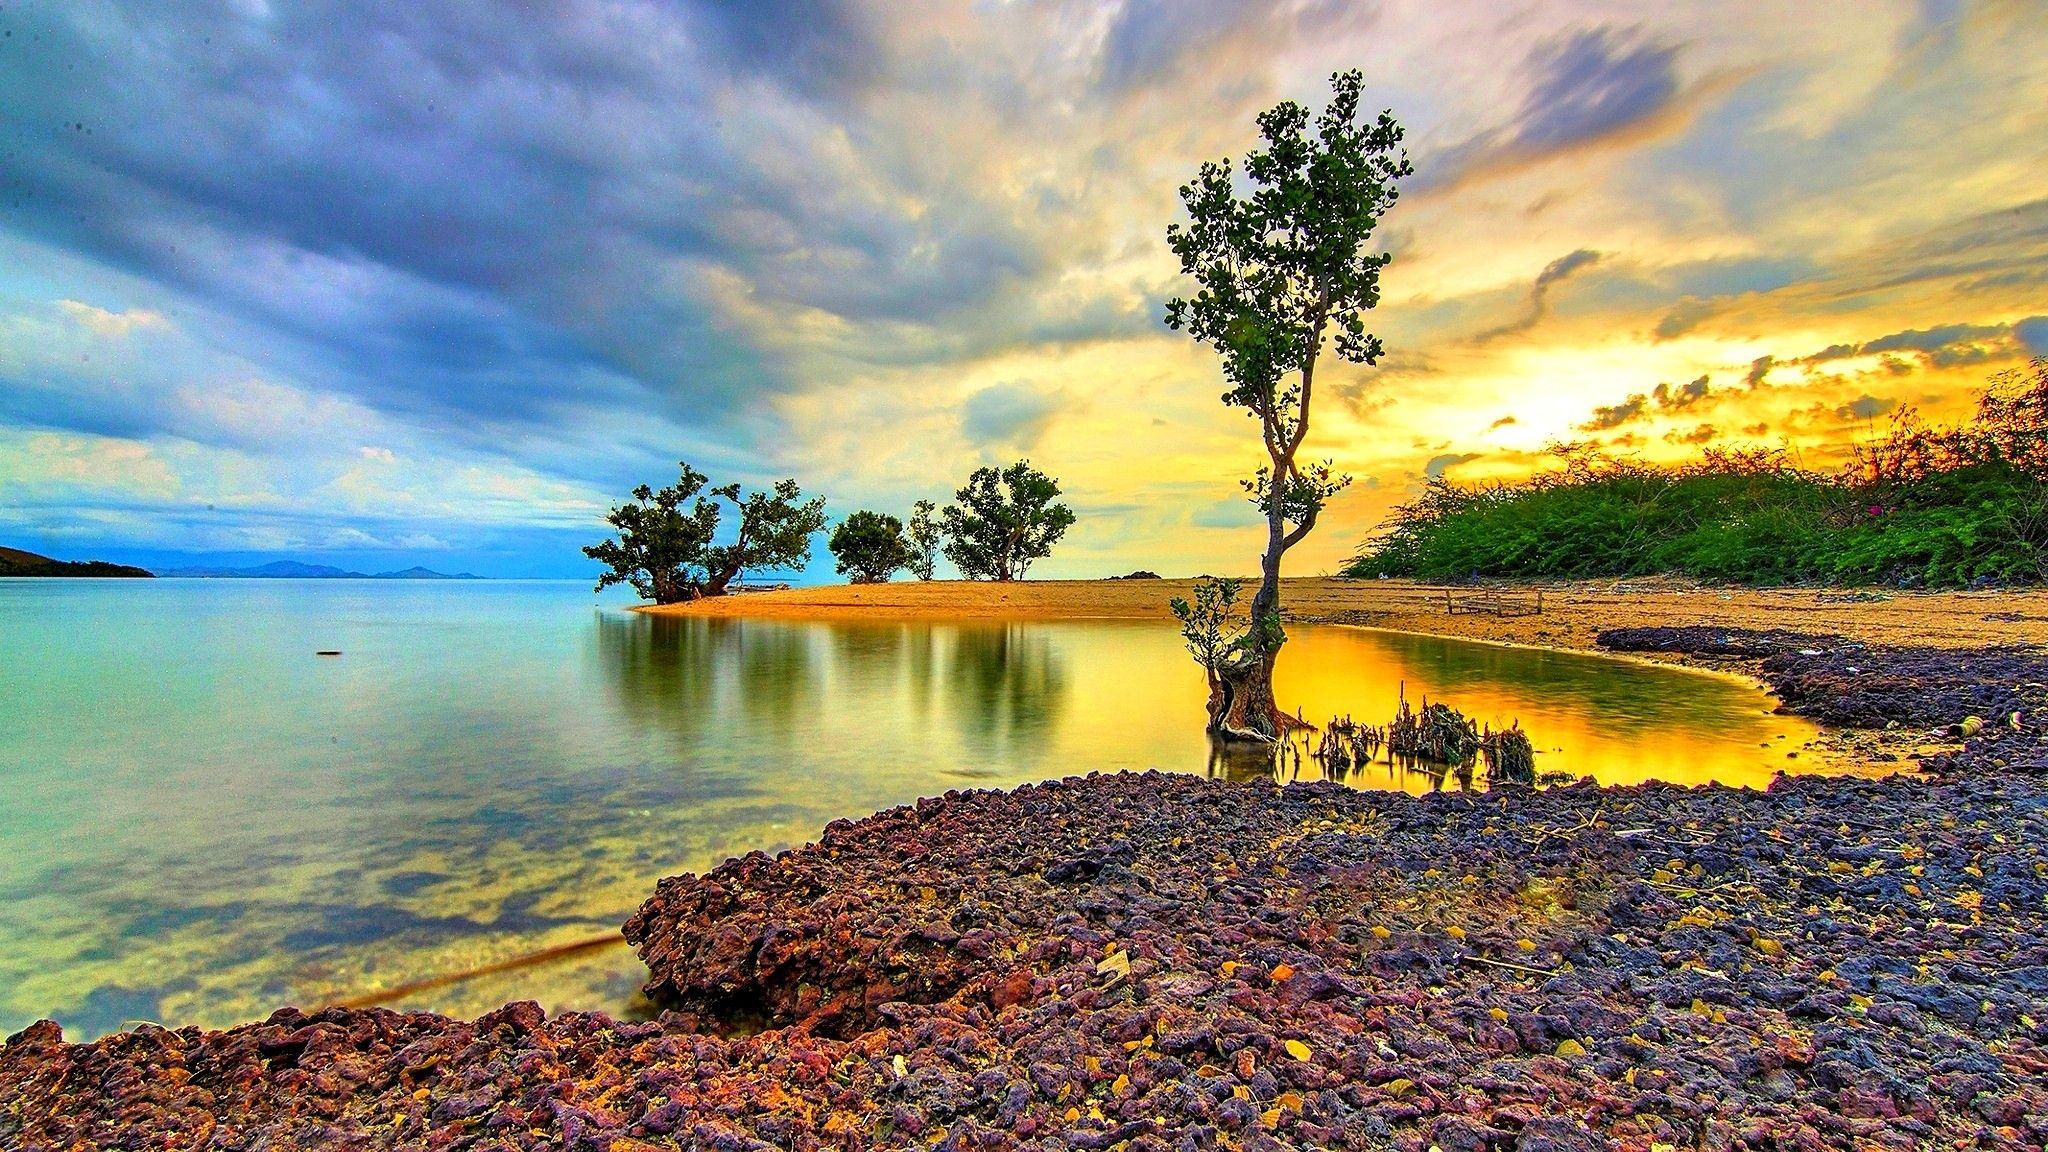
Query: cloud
point(498, 214)
point(1598, 88)
point(1864, 407)
point(1016, 415)
point(1538, 307)
point(1665, 397)
point(1438, 465)
point(1688, 314)
point(1699, 434)
point(1616, 415)
point(1759, 368)
point(2032, 333)
point(1945, 346)
point(102, 322)
point(1689, 395)
point(1150, 41)
point(1501, 423)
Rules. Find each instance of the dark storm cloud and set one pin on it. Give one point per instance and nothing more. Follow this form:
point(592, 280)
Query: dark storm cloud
point(493, 211)
point(1538, 306)
point(1590, 88)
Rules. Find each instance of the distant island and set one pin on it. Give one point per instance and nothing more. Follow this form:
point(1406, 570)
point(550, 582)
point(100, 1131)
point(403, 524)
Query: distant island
point(294, 570)
point(15, 562)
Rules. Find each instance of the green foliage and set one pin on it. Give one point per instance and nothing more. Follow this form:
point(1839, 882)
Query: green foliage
point(1282, 270)
point(869, 547)
point(664, 546)
point(1219, 636)
point(1920, 506)
point(775, 532)
point(922, 538)
point(1003, 521)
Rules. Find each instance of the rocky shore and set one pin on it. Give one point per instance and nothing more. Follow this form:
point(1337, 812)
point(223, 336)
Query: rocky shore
point(1165, 962)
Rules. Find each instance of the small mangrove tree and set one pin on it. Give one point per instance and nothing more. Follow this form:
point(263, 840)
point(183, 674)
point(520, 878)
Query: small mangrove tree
point(1283, 271)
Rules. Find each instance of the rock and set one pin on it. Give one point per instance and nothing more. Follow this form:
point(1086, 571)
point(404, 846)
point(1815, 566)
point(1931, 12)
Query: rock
point(1160, 961)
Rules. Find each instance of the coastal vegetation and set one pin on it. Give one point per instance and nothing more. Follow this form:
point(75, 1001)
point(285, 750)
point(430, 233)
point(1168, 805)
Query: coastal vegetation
point(16, 562)
point(1281, 270)
point(1921, 506)
point(666, 547)
point(869, 547)
point(922, 538)
point(1003, 521)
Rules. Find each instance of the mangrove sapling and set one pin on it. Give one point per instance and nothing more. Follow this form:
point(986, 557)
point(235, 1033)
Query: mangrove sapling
point(1345, 744)
point(1281, 271)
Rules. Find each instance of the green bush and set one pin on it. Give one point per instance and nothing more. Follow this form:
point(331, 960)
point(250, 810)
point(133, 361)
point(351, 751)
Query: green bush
point(1939, 507)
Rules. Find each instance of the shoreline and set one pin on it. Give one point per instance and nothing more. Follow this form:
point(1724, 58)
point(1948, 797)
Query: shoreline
point(1156, 961)
point(1575, 613)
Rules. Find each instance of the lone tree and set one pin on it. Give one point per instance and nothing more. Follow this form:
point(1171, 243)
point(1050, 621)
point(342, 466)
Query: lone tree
point(1003, 521)
point(1281, 272)
point(923, 537)
point(869, 547)
point(665, 549)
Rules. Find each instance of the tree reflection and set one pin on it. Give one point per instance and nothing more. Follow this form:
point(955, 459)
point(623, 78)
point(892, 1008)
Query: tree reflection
point(1009, 686)
point(660, 667)
point(700, 678)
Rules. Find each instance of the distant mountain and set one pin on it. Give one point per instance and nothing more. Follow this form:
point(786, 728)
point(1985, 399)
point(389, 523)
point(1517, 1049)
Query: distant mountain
point(15, 562)
point(295, 570)
point(418, 573)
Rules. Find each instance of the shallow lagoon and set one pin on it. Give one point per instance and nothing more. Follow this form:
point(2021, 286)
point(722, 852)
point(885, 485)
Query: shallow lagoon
point(200, 819)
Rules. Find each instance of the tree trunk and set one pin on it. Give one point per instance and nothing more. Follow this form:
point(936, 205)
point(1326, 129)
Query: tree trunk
point(715, 582)
point(1241, 705)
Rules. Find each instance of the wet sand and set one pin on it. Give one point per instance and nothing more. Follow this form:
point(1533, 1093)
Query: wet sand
point(1572, 613)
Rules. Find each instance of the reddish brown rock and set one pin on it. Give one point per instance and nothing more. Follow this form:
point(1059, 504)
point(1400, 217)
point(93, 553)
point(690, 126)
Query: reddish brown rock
point(1161, 962)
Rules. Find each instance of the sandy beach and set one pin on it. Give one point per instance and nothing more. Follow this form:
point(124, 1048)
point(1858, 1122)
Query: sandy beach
point(1572, 613)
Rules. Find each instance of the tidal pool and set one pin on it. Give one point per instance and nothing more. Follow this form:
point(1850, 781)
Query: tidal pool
point(201, 819)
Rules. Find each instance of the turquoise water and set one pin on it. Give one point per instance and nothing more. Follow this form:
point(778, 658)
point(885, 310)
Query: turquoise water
point(201, 819)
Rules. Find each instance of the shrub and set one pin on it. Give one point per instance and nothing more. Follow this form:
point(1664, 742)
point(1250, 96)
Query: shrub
point(1940, 507)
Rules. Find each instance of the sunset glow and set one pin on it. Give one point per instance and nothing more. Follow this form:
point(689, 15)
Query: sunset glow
point(441, 287)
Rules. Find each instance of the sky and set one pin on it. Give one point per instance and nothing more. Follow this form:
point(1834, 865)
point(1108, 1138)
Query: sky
point(437, 283)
